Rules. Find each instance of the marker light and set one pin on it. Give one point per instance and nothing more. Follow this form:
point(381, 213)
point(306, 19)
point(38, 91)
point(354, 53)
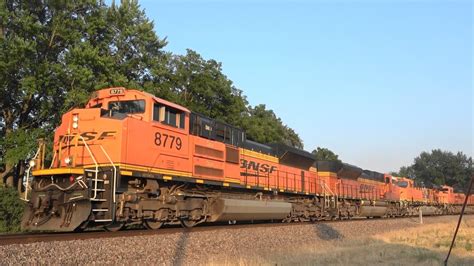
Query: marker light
point(67, 160)
point(32, 163)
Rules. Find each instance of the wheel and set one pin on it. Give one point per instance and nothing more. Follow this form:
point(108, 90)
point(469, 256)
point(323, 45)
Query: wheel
point(82, 227)
point(114, 227)
point(188, 223)
point(152, 224)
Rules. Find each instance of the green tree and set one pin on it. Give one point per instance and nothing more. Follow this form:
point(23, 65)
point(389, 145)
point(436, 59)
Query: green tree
point(264, 126)
point(11, 210)
point(439, 167)
point(325, 154)
point(405, 171)
point(201, 86)
point(34, 37)
point(53, 54)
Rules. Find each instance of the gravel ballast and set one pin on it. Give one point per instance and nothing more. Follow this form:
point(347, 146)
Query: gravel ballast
point(202, 247)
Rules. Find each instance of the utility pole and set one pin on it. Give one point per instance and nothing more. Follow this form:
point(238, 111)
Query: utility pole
point(460, 218)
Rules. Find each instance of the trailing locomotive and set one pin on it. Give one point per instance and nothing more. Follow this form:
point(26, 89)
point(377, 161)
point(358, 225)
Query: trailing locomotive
point(129, 157)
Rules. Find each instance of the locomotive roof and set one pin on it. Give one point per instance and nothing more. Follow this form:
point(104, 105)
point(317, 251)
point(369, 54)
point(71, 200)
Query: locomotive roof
point(121, 91)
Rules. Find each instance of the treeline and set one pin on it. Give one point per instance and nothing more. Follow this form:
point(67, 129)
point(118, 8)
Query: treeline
point(430, 169)
point(438, 167)
point(54, 54)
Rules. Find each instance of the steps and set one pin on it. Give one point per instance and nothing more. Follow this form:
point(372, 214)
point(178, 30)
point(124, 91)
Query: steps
point(101, 193)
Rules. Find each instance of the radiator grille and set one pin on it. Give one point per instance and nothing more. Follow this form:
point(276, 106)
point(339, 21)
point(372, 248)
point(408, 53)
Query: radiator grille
point(231, 155)
point(209, 152)
point(203, 170)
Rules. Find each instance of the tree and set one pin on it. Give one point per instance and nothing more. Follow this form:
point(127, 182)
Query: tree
point(201, 86)
point(264, 126)
point(325, 154)
point(11, 210)
point(405, 171)
point(439, 167)
point(53, 54)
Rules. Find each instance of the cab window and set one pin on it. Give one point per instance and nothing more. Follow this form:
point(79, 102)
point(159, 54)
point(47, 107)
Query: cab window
point(403, 184)
point(127, 107)
point(168, 115)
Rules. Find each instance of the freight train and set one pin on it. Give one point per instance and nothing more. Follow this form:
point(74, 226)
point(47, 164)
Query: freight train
point(129, 158)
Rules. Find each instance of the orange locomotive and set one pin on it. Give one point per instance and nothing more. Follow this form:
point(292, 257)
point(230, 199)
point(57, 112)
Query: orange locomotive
point(129, 157)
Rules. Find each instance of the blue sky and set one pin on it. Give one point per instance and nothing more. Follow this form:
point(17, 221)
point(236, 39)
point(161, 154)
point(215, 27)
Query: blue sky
point(377, 82)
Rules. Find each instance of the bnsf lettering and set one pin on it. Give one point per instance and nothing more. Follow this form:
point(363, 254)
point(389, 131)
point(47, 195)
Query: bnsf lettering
point(106, 134)
point(263, 168)
point(88, 136)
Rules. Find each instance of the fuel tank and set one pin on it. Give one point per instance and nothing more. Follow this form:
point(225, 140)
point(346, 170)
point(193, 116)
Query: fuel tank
point(245, 210)
point(372, 211)
point(429, 210)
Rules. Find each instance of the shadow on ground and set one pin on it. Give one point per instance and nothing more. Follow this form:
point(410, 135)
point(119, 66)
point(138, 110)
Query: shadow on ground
point(327, 232)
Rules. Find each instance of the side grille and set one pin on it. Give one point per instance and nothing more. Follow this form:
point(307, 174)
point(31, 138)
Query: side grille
point(209, 152)
point(202, 170)
point(232, 155)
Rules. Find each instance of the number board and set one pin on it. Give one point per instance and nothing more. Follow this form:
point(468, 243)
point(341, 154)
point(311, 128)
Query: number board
point(117, 91)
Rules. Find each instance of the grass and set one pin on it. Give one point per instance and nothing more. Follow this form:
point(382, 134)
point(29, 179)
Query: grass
point(425, 245)
point(436, 237)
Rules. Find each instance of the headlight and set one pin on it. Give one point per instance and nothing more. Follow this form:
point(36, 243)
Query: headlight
point(32, 163)
point(67, 160)
point(75, 118)
point(74, 125)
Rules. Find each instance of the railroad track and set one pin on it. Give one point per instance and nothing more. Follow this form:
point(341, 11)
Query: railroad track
point(26, 238)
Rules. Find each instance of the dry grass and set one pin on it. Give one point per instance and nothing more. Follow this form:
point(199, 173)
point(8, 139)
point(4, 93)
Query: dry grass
point(436, 237)
point(424, 245)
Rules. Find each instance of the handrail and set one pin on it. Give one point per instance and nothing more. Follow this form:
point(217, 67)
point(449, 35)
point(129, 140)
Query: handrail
point(329, 189)
point(96, 165)
point(28, 175)
point(52, 161)
point(115, 170)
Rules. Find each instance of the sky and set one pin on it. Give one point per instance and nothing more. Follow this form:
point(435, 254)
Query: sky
point(377, 82)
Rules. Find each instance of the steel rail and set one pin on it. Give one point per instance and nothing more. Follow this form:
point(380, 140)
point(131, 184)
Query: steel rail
point(26, 238)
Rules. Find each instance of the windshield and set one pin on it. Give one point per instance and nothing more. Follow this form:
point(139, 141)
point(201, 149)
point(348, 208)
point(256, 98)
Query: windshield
point(402, 183)
point(127, 107)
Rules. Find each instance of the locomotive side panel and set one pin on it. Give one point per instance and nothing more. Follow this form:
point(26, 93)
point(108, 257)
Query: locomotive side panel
point(208, 159)
point(157, 148)
point(261, 170)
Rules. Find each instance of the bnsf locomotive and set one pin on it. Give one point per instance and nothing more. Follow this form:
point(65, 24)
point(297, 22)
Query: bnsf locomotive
point(129, 157)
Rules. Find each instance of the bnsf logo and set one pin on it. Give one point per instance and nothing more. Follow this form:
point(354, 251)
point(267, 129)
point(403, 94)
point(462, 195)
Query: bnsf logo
point(262, 168)
point(87, 136)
